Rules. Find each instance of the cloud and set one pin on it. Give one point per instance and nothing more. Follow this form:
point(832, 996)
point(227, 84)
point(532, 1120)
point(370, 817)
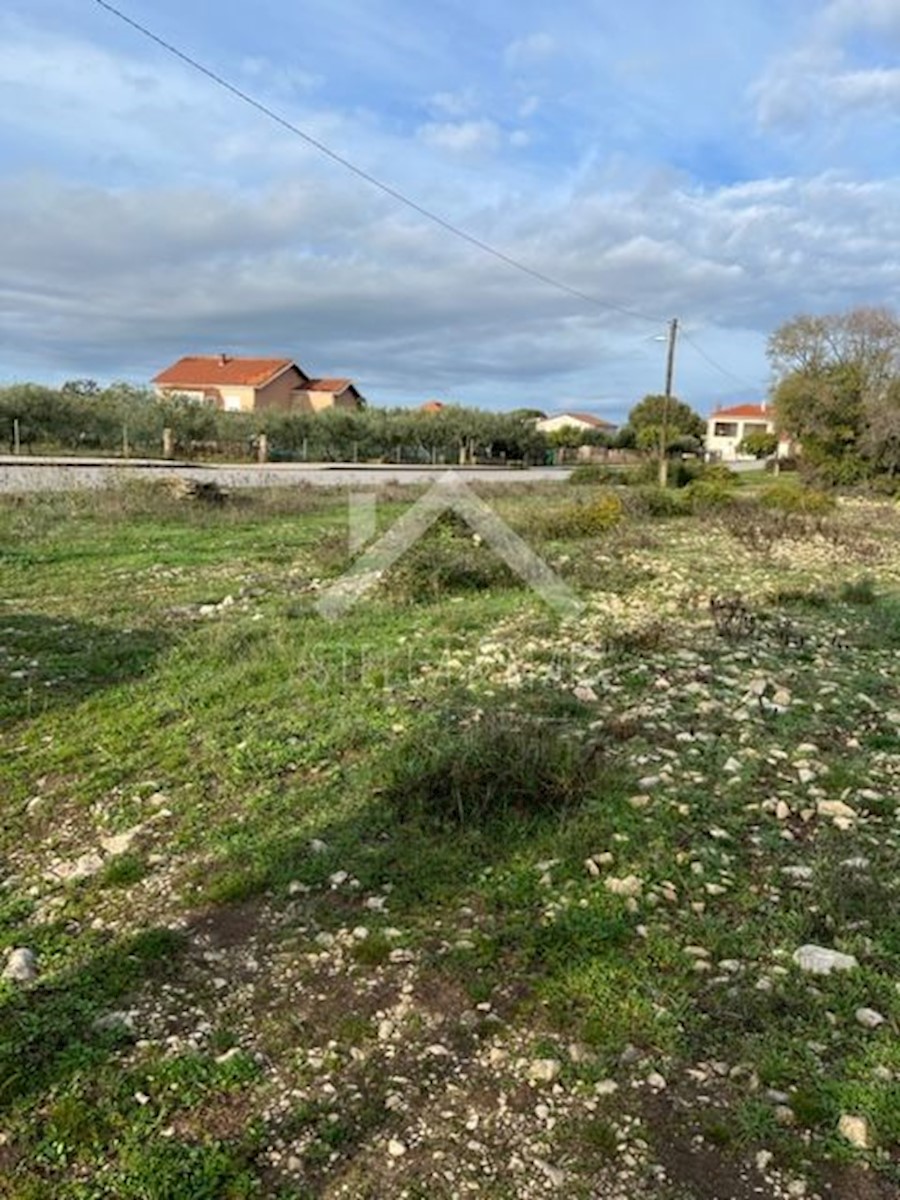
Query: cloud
point(462, 137)
point(530, 50)
point(100, 281)
point(882, 16)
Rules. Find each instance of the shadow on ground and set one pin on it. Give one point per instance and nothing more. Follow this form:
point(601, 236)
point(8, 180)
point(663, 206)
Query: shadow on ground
point(46, 662)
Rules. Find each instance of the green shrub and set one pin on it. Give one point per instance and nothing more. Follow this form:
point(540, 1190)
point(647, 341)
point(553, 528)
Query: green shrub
point(601, 474)
point(448, 560)
point(584, 518)
point(704, 494)
point(650, 500)
point(460, 770)
point(859, 591)
point(794, 498)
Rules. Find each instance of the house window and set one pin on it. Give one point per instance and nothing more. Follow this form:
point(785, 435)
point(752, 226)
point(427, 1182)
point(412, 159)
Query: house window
point(725, 429)
point(754, 427)
point(231, 403)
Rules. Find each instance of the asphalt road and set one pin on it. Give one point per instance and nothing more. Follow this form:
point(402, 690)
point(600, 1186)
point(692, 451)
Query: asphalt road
point(18, 475)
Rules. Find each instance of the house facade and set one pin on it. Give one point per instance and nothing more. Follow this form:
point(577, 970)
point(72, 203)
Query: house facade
point(726, 428)
point(253, 385)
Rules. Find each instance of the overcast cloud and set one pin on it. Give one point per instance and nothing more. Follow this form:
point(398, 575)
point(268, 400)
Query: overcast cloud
point(732, 169)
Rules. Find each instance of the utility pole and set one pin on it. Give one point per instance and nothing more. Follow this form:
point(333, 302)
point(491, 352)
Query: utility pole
point(664, 432)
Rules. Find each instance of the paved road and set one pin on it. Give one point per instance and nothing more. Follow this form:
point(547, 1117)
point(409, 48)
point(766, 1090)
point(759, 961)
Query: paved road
point(66, 474)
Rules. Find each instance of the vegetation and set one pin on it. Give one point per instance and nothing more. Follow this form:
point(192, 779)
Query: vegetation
point(838, 392)
point(307, 898)
point(80, 416)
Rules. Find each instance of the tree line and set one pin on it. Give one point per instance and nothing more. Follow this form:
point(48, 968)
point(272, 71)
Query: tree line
point(83, 417)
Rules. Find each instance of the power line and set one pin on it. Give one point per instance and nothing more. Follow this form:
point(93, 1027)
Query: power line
point(715, 365)
point(388, 190)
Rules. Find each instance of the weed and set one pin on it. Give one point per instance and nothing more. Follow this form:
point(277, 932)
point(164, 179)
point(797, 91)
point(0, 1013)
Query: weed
point(476, 768)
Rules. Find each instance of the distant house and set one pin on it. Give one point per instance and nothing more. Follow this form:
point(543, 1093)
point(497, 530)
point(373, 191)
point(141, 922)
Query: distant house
point(254, 385)
point(726, 428)
point(432, 406)
point(582, 422)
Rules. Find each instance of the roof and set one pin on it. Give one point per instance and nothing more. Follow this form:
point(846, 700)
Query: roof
point(213, 370)
point(752, 412)
point(432, 406)
point(326, 385)
point(584, 418)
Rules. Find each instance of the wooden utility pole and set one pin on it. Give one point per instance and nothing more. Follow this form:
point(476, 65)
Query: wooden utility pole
point(664, 432)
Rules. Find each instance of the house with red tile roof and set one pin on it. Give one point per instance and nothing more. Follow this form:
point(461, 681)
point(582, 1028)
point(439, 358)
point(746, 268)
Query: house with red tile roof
point(726, 428)
point(254, 385)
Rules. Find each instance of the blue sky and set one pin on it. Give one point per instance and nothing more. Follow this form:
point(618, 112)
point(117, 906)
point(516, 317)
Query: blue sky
point(729, 164)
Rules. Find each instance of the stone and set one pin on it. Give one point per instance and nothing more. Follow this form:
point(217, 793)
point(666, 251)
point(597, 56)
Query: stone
point(21, 966)
point(119, 1020)
point(819, 960)
point(869, 1018)
point(396, 1148)
point(544, 1070)
point(798, 873)
point(855, 1130)
point(837, 810)
point(556, 1177)
point(81, 868)
point(629, 885)
point(657, 1081)
point(120, 843)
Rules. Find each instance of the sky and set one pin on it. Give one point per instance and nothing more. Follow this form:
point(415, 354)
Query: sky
point(731, 165)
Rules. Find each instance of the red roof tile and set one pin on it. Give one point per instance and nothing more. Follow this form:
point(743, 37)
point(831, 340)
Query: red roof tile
point(213, 370)
point(749, 412)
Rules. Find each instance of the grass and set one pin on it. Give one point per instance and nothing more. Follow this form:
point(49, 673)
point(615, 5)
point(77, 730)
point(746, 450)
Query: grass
point(432, 795)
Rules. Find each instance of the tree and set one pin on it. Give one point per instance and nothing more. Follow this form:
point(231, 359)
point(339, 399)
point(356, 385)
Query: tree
point(650, 414)
point(835, 375)
point(759, 444)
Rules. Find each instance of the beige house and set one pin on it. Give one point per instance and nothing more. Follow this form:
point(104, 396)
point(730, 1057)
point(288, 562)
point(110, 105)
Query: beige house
point(726, 428)
point(254, 385)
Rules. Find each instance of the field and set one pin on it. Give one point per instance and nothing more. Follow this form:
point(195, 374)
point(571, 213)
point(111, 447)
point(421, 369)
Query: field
point(453, 896)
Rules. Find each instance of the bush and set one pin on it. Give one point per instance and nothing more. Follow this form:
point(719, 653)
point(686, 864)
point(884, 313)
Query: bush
point(584, 519)
point(597, 473)
point(859, 591)
point(449, 559)
point(475, 769)
point(794, 498)
point(650, 500)
point(702, 495)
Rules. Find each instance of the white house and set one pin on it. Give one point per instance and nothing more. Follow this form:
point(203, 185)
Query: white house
point(726, 428)
point(583, 422)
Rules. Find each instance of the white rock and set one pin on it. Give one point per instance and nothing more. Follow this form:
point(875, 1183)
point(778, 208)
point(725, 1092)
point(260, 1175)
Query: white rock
point(318, 846)
point(81, 868)
point(555, 1176)
point(836, 810)
point(855, 1130)
point(396, 1148)
point(799, 873)
point(121, 843)
point(629, 885)
point(544, 1070)
point(869, 1018)
point(21, 966)
point(657, 1081)
point(585, 694)
point(819, 960)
